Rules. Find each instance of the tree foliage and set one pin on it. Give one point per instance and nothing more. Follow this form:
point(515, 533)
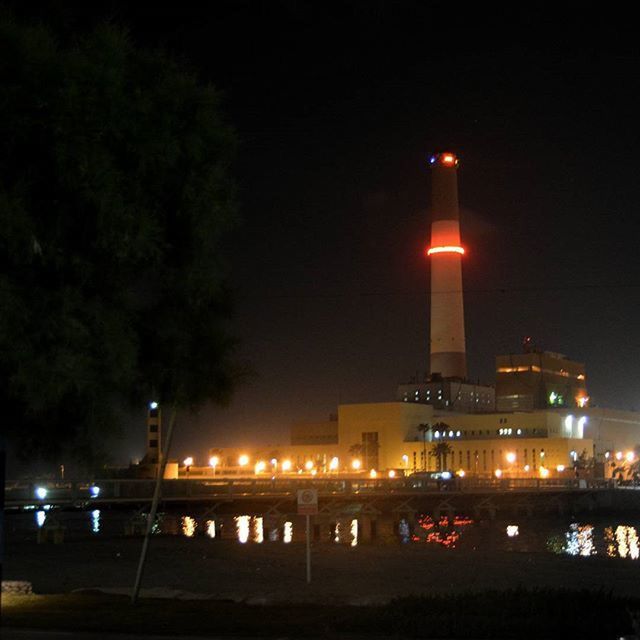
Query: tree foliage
point(115, 196)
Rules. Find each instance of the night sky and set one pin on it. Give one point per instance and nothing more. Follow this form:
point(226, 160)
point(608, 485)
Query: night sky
point(337, 107)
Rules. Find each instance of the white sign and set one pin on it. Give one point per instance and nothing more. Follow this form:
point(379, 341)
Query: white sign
point(307, 502)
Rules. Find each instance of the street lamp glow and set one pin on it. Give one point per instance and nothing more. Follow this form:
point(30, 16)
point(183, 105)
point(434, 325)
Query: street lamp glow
point(308, 465)
point(460, 473)
point(405, 460)
point(188, 461)
point(618, 455)
point(153, 405)
point(511, 457)
point(373, 473)
point(498, 473)
point(261, 465)
point(560, 468)
point(631, 456)
point(41, 493)
point(214, 461)
point(334, 463)
point(544, 472)
point(392, 473)
point(243, 460)
point(286, 465)
point(94, 491)
point(356, 464)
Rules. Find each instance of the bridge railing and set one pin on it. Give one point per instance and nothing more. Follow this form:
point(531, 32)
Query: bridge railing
point(123, 490)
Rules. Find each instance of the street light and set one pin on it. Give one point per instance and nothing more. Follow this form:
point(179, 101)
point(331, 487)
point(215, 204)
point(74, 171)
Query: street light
point(214, 461)
point(187, 463)
point(243, 460)
point(356, 464)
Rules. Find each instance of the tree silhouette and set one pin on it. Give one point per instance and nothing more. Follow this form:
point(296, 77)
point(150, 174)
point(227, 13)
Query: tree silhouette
point(441, 450)
point(424, 428)
point(115, 196)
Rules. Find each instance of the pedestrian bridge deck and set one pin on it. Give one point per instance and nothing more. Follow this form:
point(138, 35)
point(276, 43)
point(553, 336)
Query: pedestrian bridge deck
point(127, 491)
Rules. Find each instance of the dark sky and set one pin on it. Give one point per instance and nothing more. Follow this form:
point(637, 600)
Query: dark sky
point(337, 106)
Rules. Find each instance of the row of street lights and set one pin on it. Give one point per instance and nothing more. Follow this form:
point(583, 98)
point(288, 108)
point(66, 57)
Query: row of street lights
point(285, 466)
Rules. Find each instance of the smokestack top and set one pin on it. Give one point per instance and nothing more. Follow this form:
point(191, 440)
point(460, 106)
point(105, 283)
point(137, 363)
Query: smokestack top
point(444, 159)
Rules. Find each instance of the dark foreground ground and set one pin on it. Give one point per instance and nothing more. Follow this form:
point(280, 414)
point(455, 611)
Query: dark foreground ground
point(272, 573)
point(260, 590)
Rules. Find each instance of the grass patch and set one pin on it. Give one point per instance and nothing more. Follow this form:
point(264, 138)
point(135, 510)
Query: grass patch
point(517, 613)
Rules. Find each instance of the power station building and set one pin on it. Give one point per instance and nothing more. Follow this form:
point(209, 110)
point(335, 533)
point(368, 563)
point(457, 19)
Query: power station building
point(536, 421)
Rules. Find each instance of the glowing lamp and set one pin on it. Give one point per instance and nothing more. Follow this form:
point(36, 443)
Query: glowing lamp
point(511, 457)
point(94, 491)
point(392, 473)
point(260, 466)
point(630, 456)
point(286, 465)
point(308, 465)
point(214, 461)
point(41, 493)
point(188, 461)
point(243, 460)
point(445, 249)
point(356, 464)
point(334, 463)
point(498, 473)
point(373, 473)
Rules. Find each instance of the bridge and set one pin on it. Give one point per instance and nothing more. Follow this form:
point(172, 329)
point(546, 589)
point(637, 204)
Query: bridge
point(406, 496)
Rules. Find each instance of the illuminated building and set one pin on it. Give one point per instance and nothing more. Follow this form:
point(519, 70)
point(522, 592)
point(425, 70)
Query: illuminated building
point(539, 380)
point(537, 422)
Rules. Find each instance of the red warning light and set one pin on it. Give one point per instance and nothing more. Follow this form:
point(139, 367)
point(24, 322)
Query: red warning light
point(446, 249)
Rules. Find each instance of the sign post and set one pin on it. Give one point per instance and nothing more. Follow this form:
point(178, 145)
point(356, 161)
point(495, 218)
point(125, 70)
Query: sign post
point(308, 506)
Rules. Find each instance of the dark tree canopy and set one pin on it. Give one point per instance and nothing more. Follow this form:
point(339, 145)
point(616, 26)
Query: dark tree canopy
point(115, 195)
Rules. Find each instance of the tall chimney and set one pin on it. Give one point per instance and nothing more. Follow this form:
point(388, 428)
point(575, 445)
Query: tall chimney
point(447, 345)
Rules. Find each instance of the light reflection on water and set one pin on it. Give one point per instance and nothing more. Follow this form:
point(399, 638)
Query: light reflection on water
point(95, 521)
point(345, 532)
point(623, 543)
point(354, 532)
point(189, 526)
point(580, 539)
point(242, 527)
point(445, 531)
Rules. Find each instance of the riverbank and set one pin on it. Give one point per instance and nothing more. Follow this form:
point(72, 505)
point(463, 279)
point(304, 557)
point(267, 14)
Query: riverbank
point(275, 573)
